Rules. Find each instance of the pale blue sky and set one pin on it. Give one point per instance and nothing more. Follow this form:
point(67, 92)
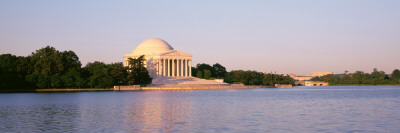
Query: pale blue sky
point(284, 36)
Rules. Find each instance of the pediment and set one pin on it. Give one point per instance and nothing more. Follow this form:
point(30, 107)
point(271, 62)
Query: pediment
point(176, 53)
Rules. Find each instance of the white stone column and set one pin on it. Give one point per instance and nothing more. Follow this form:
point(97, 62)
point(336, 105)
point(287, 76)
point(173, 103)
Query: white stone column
point(178, 68)
point(168, 67)
point(190, 68)
point(173, 67)
point(164, 67)
point(181, 67)
point(156, 65)
point(160, 67)
point(186, 68)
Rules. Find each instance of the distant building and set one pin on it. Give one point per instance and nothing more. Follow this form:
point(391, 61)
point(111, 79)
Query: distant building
point(316, 83)
point(161, 59)
point(319, 74)
point(311, 83)
point(309, 76)
point(283, 86)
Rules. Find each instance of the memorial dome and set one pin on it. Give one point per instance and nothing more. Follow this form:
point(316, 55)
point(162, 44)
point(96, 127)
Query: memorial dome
point(154, 44)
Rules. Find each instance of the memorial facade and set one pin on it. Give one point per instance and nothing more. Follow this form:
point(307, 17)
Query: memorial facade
point(161, 59)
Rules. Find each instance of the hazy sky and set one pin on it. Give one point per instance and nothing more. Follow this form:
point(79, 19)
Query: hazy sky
point(282, 35)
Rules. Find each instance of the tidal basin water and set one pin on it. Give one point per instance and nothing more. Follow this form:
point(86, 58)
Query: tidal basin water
point(302, 109)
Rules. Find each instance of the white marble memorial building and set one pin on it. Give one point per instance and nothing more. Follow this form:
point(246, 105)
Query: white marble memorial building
point(162, 59)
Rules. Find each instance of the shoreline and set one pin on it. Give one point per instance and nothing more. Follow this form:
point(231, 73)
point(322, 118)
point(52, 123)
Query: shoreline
point(368, 85)
point(135, 88)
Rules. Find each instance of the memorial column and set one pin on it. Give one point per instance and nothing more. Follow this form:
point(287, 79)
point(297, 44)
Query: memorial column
point(163, 67)
point(157, 63)
point(181, 62)
point(187, 68)
point(190, 68)
point(173, 67)
point(168, 67)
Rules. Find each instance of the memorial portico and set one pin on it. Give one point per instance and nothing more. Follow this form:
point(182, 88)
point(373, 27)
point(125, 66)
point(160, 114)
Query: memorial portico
point(162, 59)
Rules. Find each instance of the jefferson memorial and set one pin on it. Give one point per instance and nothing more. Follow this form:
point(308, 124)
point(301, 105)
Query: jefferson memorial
point(168, 66)
point(162, 60)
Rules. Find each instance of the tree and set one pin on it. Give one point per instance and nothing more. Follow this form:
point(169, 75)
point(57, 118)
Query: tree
point(357, 77)
point(245, 77)
point(98, 75)
point(194, 71)
point(229, 78)
point(207, 74)
point(8, 63)
point(55, 81)
point(70, 61)
point(203, 66)
point(118, 72)
point(68, 80)
point(220, 70)
point(47, 61)
point(199, 74)
point(268, 79)
point(396, 76)
point(72, 79)
point(43, 81)
point(80, 81)
point(12, 76)
point(138, 74)
point(51, 68)
point(378, 77)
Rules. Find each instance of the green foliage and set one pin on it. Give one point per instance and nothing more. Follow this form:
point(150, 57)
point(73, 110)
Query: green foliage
point(396, 76)
point(357, 78)
point(202, 67)
point(138, 74)
point(199, 74)
point(119, 73)
point(99, 75)
point(207, 74)
point(55, 81)
point(256, 78)
point(238, 76)
point(220, 70)
point(71, 79)
point(50, 68)
point(194, 71)
point(12, 73)
point(47, 61)
point(8, 63)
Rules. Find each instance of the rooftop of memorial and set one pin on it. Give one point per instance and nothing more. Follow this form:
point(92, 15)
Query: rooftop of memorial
point(154, 44)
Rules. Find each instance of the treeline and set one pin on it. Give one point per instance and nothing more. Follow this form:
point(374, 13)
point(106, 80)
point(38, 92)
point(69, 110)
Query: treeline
point(207, 71)
point(50, 68)
point(256, 78)
point(361, 78)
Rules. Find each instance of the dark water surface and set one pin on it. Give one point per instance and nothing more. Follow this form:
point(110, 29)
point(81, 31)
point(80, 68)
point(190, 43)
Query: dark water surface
point(303, 109)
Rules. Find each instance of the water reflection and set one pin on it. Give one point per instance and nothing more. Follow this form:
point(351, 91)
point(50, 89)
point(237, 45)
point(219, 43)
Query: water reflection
point(242, 110)
point(38, 118)
point(157, 112)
